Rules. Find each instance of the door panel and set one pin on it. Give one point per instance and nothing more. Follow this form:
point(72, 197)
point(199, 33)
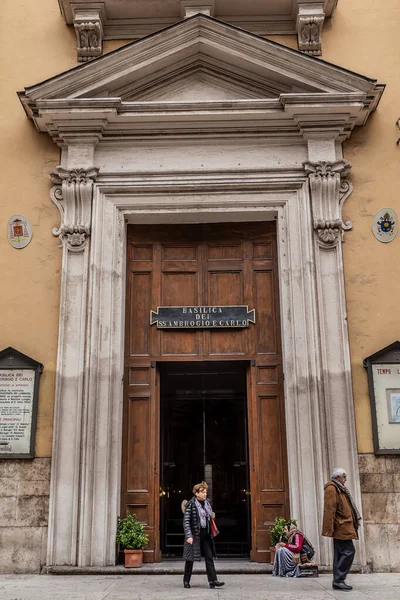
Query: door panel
point(264, 300)
point(138, 441)
point(140, 286)
point(209, 264)
point(140, 460)
point(268, 473)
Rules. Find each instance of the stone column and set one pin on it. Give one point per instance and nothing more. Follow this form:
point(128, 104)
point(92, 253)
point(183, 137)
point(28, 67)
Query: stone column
point(329, 188)
point(72, 194)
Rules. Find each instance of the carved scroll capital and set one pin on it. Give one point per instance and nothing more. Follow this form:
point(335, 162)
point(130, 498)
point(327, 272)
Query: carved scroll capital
point(72, 195)
point(89, 34)
point(328, 192)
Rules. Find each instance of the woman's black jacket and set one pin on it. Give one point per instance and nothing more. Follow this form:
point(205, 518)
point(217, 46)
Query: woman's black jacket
point(191, 527)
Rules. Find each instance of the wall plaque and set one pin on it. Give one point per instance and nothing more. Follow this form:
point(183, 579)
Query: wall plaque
point(19, 388)
point(202, 317)
point(19, 231)
point(384, 390)
point(385, 225)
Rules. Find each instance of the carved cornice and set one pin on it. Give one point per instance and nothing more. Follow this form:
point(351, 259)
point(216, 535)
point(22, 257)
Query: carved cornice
point(329, 189)
point(72, 195)
point(135, 19)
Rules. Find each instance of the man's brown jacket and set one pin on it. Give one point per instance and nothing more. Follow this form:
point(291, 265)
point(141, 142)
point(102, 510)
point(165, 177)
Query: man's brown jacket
point(339, 520)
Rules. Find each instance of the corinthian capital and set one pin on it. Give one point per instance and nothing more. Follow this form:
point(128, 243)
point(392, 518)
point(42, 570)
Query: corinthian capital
point(328, 189)
point(72, 195)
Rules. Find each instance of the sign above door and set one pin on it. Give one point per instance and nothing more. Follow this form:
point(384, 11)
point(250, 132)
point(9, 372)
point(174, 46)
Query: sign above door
point(202, 317)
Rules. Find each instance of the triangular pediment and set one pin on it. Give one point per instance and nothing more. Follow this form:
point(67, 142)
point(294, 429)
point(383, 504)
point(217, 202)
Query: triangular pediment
point(197, 82)
point(201, 60)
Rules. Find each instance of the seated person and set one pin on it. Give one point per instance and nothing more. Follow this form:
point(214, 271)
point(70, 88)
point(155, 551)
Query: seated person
point(289, 555)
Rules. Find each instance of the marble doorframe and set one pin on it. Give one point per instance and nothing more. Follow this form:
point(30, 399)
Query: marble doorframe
point(314, 443)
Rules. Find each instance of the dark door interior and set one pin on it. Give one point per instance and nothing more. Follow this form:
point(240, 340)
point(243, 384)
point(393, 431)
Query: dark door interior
point(204, 437)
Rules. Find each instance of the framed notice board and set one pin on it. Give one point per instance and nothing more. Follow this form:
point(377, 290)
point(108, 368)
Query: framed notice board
point(384, 393)
point(19, 392)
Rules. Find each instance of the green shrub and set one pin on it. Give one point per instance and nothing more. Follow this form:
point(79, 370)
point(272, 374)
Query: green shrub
point(277, 530)
point(130, 533)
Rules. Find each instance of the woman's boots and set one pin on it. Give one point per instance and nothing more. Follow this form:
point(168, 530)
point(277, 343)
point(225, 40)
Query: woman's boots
point(214, 584)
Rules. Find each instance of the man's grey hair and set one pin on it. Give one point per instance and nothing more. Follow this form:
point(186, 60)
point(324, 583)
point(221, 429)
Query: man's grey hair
point(338, 472)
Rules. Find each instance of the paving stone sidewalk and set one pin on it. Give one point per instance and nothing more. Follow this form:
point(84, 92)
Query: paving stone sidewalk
point(379, 586)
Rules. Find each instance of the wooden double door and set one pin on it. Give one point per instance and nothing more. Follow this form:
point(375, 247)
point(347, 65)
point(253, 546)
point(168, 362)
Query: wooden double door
point(203, 265)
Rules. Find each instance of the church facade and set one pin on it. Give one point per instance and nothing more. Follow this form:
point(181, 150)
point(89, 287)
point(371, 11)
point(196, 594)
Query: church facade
point(203, 282)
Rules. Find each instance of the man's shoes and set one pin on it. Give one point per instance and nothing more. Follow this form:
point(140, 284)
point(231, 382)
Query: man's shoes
point(186, 584)
point(341, 585)
point(216, 583)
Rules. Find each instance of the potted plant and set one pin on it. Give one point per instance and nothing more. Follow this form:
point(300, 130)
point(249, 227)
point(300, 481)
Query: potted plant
point(131, 536)
point(277, 533)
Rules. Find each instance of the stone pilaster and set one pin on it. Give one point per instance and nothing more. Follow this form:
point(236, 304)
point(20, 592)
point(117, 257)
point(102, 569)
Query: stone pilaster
point(329, 188)
point(89, 34)
point(72, 195)
point(310, 19)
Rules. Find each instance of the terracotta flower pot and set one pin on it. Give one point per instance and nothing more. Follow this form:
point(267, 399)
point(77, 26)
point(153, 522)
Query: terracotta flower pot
point(133, 558)
point(272, 549)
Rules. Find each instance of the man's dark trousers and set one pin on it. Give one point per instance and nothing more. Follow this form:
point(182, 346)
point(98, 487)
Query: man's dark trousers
point(343, 556)
point(206, 550)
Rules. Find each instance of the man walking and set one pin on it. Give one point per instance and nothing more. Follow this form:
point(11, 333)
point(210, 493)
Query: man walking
point(341, 522)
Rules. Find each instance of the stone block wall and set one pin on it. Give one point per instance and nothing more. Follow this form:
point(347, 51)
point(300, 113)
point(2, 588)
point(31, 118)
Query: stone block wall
point(380, 489)
point(24, 507)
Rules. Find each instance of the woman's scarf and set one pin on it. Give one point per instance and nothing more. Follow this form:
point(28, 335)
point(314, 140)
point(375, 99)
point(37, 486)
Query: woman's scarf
point(356, 515)
point(204, 512)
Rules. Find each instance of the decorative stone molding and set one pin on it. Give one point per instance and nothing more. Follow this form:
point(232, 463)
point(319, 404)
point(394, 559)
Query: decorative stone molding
point(193, 7)
point(72, 195)
point(310, 19)
point(89, 34)
point(100, 95)
point(135, 19)
point(328, 193)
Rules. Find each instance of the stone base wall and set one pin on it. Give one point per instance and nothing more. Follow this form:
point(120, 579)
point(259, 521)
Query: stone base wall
point(380, 489)
point(24, 508)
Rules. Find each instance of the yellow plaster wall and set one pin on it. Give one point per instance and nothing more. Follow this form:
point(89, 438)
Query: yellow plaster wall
point(34, 44)
point(364, 36)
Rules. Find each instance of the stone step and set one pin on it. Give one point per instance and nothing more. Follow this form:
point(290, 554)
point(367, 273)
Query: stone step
point(224, 567)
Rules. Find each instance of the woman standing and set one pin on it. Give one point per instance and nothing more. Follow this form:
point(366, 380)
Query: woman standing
point(290, 555)
point(198, 540)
